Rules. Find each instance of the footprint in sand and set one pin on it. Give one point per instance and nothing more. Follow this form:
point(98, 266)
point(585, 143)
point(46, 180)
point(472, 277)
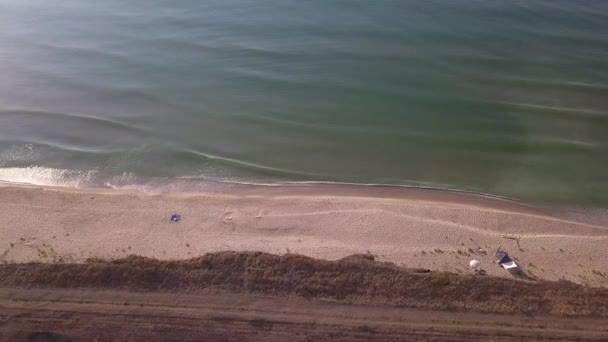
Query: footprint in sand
point(29, 241)
point(228, 215)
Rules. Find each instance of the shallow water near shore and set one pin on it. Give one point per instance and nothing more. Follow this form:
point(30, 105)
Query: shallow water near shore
point(506, 99)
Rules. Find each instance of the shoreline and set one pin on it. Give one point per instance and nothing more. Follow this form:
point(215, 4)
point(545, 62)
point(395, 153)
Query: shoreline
point(411, 227)
point(306, 188)
point(593, 216)
point(36, 176)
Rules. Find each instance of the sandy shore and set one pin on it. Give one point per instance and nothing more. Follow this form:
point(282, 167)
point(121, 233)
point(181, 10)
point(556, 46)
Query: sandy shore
point(412, 227)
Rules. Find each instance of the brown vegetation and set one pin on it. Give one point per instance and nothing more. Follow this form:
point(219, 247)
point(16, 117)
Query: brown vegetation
point(355, 279)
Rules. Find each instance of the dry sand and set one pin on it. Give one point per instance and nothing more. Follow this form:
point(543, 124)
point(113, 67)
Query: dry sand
point(432, 229)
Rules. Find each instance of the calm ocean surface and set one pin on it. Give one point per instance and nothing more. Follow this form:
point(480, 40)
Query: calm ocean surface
point(501, 97)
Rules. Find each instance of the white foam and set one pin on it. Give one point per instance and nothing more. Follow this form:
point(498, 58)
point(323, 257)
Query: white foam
point(36, 175)
point(127, 181)
point(19, 153)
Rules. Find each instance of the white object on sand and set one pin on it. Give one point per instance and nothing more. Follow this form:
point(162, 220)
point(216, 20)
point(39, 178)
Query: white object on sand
point(474, 263)
point(510, 264)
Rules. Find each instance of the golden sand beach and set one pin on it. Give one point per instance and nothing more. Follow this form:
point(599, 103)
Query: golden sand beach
point(432, 229)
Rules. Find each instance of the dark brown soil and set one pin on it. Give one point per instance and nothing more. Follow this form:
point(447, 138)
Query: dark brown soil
point(92, 315)
point(355, 279)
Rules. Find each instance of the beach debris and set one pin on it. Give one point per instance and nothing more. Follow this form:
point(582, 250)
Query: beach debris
point(476, 266)
point(513, 238)
point(176, 218)
point(505, 261)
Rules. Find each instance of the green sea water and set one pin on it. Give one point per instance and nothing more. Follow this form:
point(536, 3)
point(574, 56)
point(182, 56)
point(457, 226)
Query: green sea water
point(501, 97)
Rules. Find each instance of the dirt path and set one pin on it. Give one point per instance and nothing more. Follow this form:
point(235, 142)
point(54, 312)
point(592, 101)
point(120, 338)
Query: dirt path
point(101, 315)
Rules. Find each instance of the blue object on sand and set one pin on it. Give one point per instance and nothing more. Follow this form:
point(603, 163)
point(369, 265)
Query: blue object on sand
point(176, 218)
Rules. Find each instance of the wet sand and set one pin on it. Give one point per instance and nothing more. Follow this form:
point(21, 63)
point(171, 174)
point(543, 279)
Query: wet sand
point(433, 229)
